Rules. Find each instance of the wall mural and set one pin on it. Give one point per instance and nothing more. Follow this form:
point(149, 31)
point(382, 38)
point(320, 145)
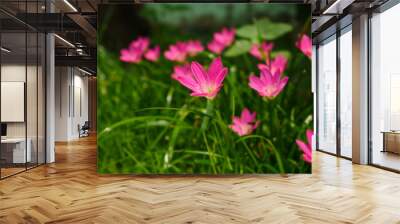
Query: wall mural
point(204, 89)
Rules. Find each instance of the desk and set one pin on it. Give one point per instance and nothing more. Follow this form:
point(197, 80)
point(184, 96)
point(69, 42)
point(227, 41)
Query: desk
point(15, 148)
point(391, 141)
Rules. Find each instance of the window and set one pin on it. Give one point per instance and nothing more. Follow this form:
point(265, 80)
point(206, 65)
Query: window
point(345, 92)
point(327, 95)
point(385, 89)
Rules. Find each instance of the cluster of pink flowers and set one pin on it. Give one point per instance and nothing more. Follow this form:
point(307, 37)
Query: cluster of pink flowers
point(139, 48)
point(221, 40)
point(181, 50)
point(208, 82)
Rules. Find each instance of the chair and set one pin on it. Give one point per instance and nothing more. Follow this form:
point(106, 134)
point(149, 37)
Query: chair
point(84, 130)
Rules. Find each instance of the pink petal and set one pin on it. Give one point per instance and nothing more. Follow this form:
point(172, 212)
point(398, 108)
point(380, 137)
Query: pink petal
point(262, 66)
point(236, 129)
point(215, 47)
point(188, 82)
point(215, 67)
point(278, 64)
point(199, 73)
point(303, 146)
point(307, 158)
point(309, 134)
point(220, 77)
point(266, 77)
point(256, 84)
point(247, 116)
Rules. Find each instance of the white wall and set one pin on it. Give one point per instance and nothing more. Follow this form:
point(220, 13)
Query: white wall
point(71, 94)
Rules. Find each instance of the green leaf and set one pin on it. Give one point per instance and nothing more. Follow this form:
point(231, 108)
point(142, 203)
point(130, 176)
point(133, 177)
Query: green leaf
point(272, 31)
point(286, 54)
point(247, 31)
point(239, 47)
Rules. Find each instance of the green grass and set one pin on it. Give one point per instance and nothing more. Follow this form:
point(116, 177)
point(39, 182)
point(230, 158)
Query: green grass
point(149, 124)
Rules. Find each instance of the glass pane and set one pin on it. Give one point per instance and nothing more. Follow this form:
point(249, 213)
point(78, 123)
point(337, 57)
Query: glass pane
point(327, 96)
point(41, 99)
point(346, 93)
point(14, 151)
point(385, 84)
point(31, 97)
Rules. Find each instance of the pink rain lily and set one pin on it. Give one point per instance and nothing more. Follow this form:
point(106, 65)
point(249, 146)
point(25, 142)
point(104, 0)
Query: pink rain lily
point(304, 44)
point(225, 36)
point(269, 84)
point(202, 83)
point(181, 71)
point(261, 51)
point(221, 40)
point(131, 55)
point(153, 54)
point(176, 52)
point(193, 47)
point(278, 65)
point(141, 43)
point(306, 148)
point(215, 47)
point(245, 124)
point(135, 51)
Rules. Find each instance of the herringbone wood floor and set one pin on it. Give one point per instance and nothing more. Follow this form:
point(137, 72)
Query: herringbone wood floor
point(70, 191)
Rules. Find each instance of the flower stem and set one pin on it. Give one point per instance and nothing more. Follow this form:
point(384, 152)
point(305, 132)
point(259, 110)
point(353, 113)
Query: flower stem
point(209, 111)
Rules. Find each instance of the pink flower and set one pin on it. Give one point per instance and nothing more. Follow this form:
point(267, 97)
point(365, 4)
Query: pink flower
point(193, 47)
point(269, 84)
point(262, 51)
point(202, 83)
point(181, 72)
point(215, 47)
point(304, 45)
point(245, 124)
point(176, 52)
point(306, 148)
point(221, 40)
point(278, 65)
point(225, 36)
point(131, 55)
point(153, 54)
point(141, 43)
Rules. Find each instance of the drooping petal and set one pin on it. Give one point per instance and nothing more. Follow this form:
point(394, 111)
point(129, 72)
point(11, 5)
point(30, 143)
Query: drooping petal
point(188, 82)
point(306, 148)
point(303, 146)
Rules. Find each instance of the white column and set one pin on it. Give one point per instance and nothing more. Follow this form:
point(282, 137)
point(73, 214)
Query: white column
point(360, 90)
point(50, 93)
